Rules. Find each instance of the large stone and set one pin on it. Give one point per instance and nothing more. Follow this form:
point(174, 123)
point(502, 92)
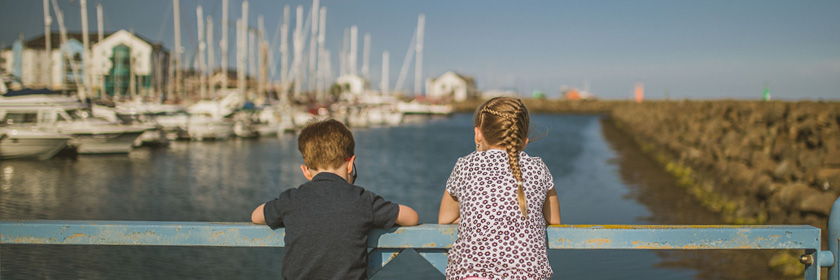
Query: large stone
point(782, 147)
point(817, 202)
point(829, 179)
point(832, 159)
point(783, 171)
point(763, 163)
point(790, 195)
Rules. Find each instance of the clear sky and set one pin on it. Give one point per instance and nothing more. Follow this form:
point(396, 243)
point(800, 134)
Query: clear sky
point(685, 49)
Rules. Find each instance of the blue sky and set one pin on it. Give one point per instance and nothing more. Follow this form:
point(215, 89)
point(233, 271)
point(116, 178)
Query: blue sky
point(685, 49)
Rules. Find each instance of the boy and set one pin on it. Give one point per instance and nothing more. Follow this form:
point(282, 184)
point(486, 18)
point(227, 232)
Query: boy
point(327, 219)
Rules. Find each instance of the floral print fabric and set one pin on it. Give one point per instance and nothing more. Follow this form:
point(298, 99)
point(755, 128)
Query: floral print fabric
point(494, 240)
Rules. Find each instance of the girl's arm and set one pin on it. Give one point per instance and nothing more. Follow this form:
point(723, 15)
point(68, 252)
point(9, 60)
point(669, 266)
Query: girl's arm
point(449, 209)
point(551, 208)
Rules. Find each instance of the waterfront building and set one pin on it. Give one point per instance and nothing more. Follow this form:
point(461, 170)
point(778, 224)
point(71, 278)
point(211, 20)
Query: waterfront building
point(122, 63)
point(451, 86)
point(30, 62)
point(352, 84)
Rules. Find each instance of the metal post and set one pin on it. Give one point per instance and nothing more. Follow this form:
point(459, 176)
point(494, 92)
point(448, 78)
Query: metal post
point(833, 238)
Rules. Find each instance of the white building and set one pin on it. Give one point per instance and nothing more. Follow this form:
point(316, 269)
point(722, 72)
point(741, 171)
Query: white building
point(352, 84)
point(30, 62)
point(451, 86)
point(121, 64)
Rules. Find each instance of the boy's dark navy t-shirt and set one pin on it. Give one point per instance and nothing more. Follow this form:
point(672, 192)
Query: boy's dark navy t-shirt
point(327, 222)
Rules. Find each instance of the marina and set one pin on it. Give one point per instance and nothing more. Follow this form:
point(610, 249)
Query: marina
point(159, 126)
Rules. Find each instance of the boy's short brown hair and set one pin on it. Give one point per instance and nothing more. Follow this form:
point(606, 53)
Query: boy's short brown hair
point(326, 144)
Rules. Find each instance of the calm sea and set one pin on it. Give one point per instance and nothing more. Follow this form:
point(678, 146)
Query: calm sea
point(601, 178)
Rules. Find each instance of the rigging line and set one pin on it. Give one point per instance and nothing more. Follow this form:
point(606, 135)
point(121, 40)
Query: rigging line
point(305, 35)
point(191, 38)
point(273, 63)
point(406, 62)
point(163, 23)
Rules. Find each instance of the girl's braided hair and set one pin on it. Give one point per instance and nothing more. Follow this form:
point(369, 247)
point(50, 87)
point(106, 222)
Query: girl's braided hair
point(504, 122)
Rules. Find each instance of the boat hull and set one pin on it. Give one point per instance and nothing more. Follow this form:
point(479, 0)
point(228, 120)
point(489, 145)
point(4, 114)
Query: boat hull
point(15, 144)
point(105, 143)
point(210, 130)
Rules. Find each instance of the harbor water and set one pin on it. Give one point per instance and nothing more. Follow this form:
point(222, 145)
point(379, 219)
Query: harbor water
point(601, 178)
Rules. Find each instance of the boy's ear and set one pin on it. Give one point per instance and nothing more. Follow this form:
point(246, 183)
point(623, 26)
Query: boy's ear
point(350, 165)
point(306, 172)
point(478, 136)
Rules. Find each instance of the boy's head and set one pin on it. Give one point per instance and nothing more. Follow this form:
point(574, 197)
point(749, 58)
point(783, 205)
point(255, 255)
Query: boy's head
point(326, 144)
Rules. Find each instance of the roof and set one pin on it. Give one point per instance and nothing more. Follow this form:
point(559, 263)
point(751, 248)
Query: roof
point(470, 80)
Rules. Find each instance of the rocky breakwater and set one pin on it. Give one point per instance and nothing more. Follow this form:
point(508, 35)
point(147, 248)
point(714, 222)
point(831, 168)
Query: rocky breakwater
point(755, 162)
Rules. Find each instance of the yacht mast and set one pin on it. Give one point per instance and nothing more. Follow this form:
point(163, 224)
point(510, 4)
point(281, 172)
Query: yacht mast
point(344, 52)
point(223, 45)
point(252, 64)
point(320, 77)
point(240, 61)
point(211, 57)
point(313, 45)
point(47, 72)
point(284, 53)
point(176, 4)
point(85, 45)
point(354, 31)
point(99, 24)
point(243, 51)
point(261, 78)
point(100, 30)
point(418, 65)
point(298, 45)
point(202, 77)
point(366, 58)
point(383, 86)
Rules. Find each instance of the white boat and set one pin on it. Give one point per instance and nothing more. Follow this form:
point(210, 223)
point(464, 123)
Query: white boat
point(137, 114)
point(208, 121)
point(24, 142)
point(206, 127)
point(66, 115)
point(173, 120)
point(423, 108)
point(302, 117)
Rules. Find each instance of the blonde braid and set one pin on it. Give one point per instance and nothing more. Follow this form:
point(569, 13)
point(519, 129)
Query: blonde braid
point(506, 124)
point(513, 141)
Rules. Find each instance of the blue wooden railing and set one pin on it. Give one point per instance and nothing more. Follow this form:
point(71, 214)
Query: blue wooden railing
point(431, 240)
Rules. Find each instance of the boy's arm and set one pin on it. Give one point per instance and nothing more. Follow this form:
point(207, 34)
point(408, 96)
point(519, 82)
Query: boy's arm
point(449, 209)
point(407, 216)
point(258, 216)
point(551, 208)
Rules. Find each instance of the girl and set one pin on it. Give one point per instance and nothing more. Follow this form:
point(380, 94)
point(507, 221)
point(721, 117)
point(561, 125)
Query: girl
point(501, 199)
